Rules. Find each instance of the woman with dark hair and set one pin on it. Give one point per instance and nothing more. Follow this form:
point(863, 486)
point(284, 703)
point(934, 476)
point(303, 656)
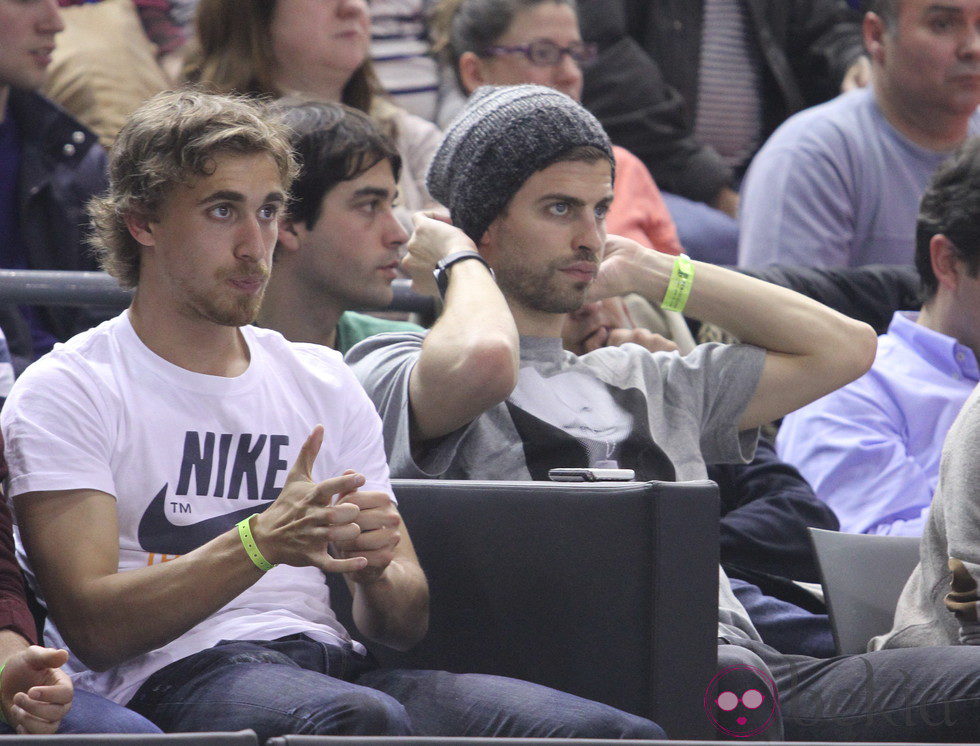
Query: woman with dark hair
point(314, 49)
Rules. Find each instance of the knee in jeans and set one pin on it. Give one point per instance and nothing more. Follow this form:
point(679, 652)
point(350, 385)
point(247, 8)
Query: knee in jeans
point(364, 713)
point(640, 728)
point(743, 696)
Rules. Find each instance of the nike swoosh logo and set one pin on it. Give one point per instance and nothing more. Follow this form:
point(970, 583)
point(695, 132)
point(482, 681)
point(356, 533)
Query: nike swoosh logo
point(157, 534)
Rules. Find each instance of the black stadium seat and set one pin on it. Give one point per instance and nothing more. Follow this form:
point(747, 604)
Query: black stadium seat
point(607, 590)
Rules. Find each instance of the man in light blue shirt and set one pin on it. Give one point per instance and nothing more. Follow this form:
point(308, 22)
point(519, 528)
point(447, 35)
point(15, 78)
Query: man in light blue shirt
point(871, 450)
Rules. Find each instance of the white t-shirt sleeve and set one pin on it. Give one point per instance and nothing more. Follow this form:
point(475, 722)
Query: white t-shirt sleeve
point(364, 448)
point(56, 430)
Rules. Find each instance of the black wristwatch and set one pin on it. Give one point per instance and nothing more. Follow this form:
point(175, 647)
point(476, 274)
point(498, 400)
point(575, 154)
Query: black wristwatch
point(441, 272)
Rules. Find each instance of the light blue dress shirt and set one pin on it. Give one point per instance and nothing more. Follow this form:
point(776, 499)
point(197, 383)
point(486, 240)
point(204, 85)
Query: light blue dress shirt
point(871, 449)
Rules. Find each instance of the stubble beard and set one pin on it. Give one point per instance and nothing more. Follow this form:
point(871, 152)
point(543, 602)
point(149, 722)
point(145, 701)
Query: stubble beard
point(541, 291)
point(241, 310)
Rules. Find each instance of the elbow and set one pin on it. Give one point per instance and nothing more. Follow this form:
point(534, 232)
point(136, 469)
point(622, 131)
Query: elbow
point(95, 641)
point(490, 367)
point(94, 647)
point(408, 638)
point(857, 351)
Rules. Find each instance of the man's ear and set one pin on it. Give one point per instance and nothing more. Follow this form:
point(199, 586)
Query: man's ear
point(487, 239)
point(488, 244)
point(288, 237)
point(873, 30)
point(946, 262)
point(471, 72)
point(140, 228)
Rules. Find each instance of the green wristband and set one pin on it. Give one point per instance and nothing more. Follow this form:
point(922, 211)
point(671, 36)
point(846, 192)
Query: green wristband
point(251, 549)
point(679, 287)
point(2, 718)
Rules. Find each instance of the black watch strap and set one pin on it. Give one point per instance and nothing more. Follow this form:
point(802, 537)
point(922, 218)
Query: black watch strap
point(441, 272)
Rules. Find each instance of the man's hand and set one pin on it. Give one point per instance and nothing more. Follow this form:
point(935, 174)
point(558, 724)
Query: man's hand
point(607, 323)
point(434, 238)
point(381, 525)
point(299, 526)
point(858, 75)
point(643, 337)
point(35, 693)
point(618, 272)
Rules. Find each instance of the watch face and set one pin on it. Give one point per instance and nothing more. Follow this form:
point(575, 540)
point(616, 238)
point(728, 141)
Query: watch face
point(442, 279)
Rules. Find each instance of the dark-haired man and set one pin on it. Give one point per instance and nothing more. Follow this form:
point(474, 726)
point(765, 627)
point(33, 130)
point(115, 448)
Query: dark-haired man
point(339, 242)
point(871, 449)
point(939, 604)
point(839, 184)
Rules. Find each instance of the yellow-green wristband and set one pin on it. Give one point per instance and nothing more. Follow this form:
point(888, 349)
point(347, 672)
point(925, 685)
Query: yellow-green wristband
point(679, 287)
point(251, 548)
point(2, 718)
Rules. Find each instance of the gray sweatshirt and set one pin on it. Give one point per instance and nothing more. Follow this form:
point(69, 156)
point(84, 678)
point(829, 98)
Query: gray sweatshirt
point(939, 604)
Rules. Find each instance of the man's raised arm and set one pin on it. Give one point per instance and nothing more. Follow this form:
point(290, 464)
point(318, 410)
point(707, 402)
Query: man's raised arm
point(811, 349)
point(469, 360)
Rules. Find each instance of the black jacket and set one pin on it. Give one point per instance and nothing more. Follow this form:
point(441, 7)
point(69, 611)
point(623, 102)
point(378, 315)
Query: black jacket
point(643, 88)
point(62, 166)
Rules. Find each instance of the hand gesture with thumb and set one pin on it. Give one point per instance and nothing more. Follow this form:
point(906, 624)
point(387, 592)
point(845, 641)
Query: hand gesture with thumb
point(300, 524)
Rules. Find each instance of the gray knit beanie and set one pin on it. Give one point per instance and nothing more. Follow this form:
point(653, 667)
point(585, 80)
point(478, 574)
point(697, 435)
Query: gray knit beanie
point(503, 136)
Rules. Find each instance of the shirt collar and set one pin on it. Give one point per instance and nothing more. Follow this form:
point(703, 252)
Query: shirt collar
point(939, 350)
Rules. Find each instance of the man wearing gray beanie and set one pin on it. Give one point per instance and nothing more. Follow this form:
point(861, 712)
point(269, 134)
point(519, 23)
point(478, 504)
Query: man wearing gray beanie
point(488, 392)
point(527, 175)
point(504, 135)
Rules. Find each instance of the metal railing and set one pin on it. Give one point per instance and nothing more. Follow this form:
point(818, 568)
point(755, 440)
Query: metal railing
point(41, 287)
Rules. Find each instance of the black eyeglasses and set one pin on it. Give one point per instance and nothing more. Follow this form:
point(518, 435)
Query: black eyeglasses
point(545, 53)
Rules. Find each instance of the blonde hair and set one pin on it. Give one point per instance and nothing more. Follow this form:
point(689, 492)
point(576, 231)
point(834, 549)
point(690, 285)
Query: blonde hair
point(173, 139)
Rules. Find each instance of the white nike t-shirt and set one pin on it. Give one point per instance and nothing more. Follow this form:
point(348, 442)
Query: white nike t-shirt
point(187, 456)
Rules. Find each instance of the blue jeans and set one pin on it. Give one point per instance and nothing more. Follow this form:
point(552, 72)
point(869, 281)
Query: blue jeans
point(296, 685)
point(707, 234)
point(91, 713)
point(909, 694)
point(786, 627)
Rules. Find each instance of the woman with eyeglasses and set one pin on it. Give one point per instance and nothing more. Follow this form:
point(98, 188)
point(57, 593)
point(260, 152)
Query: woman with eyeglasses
point(309, 49)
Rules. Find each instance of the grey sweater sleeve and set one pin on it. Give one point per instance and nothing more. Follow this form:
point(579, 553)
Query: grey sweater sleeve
point(959, 493)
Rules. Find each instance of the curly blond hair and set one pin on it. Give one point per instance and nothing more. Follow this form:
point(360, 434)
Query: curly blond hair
point(173, 139)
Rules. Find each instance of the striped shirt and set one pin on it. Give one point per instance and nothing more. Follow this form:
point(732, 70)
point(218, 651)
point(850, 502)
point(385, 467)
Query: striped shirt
point(729, 106)
point(400, 55)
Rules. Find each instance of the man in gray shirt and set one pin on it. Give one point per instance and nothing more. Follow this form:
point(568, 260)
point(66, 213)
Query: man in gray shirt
point(489, 393)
